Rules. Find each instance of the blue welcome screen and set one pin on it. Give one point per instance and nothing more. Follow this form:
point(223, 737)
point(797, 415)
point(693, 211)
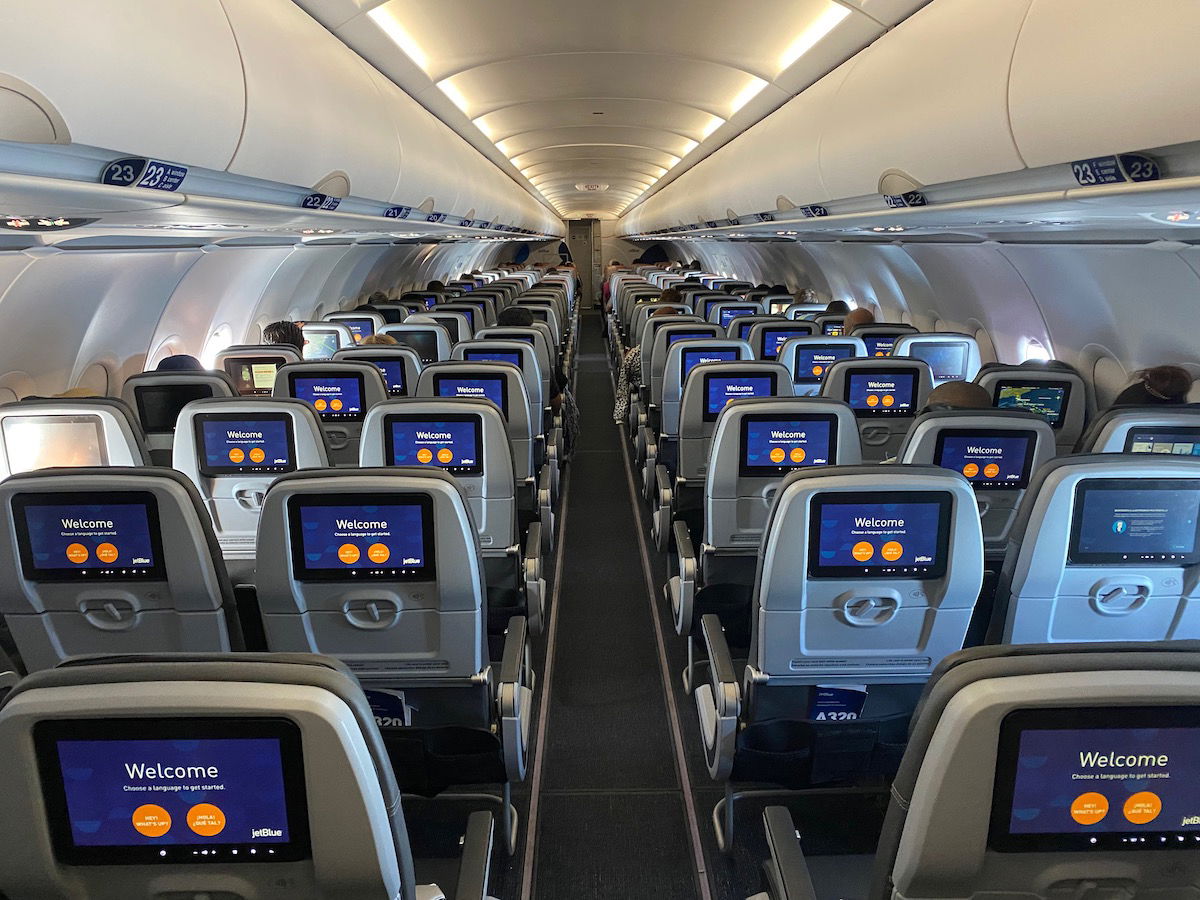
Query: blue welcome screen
point(772, 444)
point(900, 537)
point(350, 537)
point(248, 445)
point(987, 461)
point(77, 537)
point(123, 793)
point(881, 394)
point(1095, 780)
point(476, 388)
point(811, 362)
point(333, 398)
point(393, 374)
point(721, 390)
point(693, 358)
point(447, 444)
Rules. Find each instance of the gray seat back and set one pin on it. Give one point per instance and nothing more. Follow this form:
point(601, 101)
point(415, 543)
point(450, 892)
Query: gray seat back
point(520, 353)
point(766, 338)
point(983, 720)
point(159, 396)
point(291, 738)
point(755, 445)
point(536, 338)
point(45, 432)
point(232, 449)
point(682, 357)
point(658, 336)
point(323, 339)
point(809, 358)
point(951, 357)
point(885, 395)
point(341, 392)
point(252, 366)
point(866, 572)
point(465, 437)
point(880, 337)
point(1164, 430)
point(362, 323)
point(724, 313)
point(378, 567)
point(399, 365)
point(1104, 547)
point(1059, 394)
point(710, 388)
point(111, 560)
point(429, 339)
point(996, 451)
point(504, 385)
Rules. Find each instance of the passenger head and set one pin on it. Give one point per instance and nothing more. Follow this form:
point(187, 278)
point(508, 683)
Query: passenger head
point(762, 286)
point(695, 281)
point(179, 362)
point(837, 308)
point(284, 333)
point(959, 395)
point(378, 297)
point(857, 317)
point(778, 289)
point(1156, 386)
point(515, 316)
point(807, 295)
point(552, 271)
point(661, 312)
point(435, 286)
point(378, 340)
point(670, 295)
point(76, 392)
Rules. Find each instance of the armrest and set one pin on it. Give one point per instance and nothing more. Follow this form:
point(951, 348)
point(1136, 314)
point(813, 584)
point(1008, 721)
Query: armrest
point(664, 505)
point(476, 859)
point(787, 872)
point(666, 488)
point(721, 661)
point(513, 664)
point(531, 574)
point(682, 587)
point(515, 699)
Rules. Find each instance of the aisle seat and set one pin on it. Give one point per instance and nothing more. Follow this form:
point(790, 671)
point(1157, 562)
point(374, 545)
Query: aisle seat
point(1055, 391)
point(340, 392)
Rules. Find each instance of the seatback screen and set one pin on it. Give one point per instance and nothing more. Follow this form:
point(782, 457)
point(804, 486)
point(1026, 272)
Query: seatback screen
point(811, 362)
point(358, 537)
point(732, 312)
point(879, 534)
point(494, 388)
point(779, 307)
point(880, 344)
point(1135, 522)
point(171, 791)
point(43, 442)
point(159, 406)
point(424, 342)
point(237, 444)
point(774, 338)
point(253, 374)
point(393, 374)
point(1114, 778)
point(675, 336)
point(947, 361)
point(990, 460)
point(743, 329)
point(468, 311)
point(453, 442)
point(772, 446)
point(881, 393)
point(508, 356)
point(320, 344)
point(1047, 399)
point(89, 536)
point(1173, 440)
point(720, 390)
point(359, 328)
point(694, 357)
point(336, 398)
point(833, 329)
point(513, 336)
point(450, 323)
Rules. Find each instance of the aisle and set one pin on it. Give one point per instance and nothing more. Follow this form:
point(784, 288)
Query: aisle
point(610, 818)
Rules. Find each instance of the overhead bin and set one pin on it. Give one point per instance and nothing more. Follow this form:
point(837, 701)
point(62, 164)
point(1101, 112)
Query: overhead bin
point(120, 81)
point(930, 99)
point(1068, 101)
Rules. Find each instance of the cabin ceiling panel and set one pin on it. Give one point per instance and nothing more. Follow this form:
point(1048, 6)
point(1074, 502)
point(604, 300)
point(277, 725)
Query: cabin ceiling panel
point(586, 93)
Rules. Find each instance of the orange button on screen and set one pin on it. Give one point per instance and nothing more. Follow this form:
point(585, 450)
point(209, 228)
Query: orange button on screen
point(378, 553)
point(77, 553)
point(863, 551)
point(106, 553)
point(1089, 808)
point(348, 554)
point(206, 820)
point(151, 821)
point(1143, 807)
